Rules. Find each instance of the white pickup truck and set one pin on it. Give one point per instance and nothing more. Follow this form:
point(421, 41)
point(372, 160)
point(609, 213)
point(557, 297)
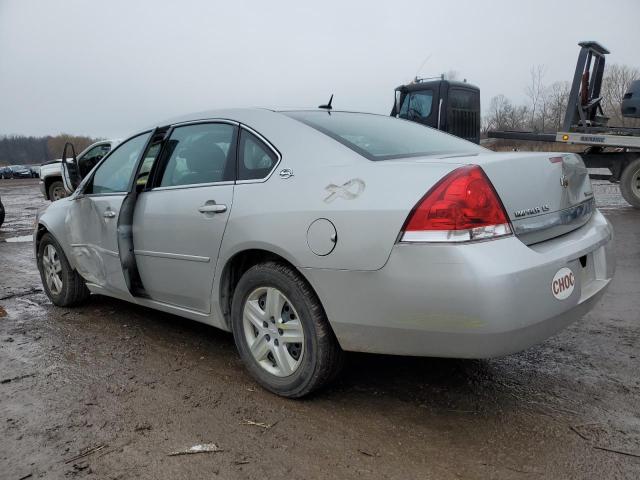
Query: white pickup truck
point(51, 184)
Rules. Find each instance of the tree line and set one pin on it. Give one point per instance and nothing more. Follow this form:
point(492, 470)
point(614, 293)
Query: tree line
point(26, 150)
point(547, 103)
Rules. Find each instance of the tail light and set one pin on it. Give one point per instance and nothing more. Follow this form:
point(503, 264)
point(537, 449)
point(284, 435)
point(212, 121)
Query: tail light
point(461, 207)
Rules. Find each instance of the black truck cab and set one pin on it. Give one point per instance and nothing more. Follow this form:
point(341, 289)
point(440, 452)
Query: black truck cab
point(447, 105)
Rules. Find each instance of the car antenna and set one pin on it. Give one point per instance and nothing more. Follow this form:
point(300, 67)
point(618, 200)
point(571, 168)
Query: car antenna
point(328, 105)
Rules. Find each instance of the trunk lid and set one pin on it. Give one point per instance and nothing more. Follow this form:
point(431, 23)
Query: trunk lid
point(544, 194)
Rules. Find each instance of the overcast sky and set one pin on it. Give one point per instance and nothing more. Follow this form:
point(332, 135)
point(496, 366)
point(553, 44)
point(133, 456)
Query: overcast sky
point(109, 68)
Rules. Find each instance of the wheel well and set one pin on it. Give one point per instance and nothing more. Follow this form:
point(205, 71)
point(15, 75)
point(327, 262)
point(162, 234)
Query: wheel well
point(236, 267)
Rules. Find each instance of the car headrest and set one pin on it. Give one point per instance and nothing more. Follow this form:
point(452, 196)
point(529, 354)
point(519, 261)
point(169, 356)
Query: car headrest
point(204, 155)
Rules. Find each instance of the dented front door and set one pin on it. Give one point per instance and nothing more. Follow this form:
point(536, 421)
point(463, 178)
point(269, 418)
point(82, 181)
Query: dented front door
point(92, 219)
point(92, 223)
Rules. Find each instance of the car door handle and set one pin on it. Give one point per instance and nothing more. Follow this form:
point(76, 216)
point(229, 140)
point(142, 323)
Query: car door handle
point(212, 208)
point(109, 214)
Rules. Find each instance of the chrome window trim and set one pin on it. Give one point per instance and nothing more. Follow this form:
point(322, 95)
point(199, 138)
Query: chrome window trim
point(190, 185)
point(270, 146)
point(203, 120)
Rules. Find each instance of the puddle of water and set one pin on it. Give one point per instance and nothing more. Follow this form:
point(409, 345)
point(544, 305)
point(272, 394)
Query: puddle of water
point(21, 238)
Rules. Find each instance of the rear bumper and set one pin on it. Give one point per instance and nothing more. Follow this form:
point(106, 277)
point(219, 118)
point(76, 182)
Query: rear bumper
point(476, 300)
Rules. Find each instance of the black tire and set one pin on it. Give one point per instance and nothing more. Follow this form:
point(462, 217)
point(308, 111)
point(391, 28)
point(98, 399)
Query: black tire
point(630, 183)
point(1, 214)
point(59, 186)
point(322, 357)
point(74, 290)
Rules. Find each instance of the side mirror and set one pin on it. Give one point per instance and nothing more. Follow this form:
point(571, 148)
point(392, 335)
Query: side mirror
point(70, 172)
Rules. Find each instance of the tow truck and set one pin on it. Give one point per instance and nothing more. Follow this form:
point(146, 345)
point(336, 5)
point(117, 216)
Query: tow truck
point(616, 148)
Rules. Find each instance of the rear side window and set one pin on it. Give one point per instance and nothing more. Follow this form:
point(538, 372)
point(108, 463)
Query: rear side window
point(256, 159)
point(114, 174)
point(202, 153)
point(378, 137)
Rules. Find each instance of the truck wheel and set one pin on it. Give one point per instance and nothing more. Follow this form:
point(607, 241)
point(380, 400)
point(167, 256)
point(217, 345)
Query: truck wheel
point(62, 284)
point(630, 183)
point(1, 214)
point(57, 191)
point(282, 332)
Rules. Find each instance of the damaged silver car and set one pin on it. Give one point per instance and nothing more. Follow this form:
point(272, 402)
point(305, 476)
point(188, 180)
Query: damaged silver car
point(311, 233)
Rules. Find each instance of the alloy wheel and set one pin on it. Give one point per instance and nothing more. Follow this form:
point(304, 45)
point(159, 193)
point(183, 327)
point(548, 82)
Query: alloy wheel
point(52, 268)
point(273, 331)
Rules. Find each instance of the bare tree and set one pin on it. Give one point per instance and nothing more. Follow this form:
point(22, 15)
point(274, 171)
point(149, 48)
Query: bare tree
point(556, 96)
point(535, 91)
point(499, 109)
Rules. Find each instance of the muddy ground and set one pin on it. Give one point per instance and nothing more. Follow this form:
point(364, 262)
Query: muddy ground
point(135, 384)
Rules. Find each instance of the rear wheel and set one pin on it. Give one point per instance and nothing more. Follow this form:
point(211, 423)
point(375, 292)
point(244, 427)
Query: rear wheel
point(281, 331)
point(62, 284)
point(630, 183)
point(57, 191)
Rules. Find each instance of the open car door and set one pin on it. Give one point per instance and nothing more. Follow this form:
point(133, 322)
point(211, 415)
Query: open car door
point(96, 224)
point(70, 172)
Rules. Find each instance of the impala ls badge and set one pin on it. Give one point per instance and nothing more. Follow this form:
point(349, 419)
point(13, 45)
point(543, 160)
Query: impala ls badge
point(531, 211)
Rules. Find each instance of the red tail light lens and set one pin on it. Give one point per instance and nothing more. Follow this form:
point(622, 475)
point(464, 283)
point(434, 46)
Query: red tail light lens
point(463, 206)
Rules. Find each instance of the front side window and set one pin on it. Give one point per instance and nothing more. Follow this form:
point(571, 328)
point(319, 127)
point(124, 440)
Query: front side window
point(114, 174)
point(379, 137)
point(417, 105)
point(256, 159)
point(202, 153)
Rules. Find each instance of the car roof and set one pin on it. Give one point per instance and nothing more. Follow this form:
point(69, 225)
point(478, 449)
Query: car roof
point(242, 115)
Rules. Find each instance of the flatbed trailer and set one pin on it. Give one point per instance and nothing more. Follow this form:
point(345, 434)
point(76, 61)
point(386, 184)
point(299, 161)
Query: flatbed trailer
point(614, 148)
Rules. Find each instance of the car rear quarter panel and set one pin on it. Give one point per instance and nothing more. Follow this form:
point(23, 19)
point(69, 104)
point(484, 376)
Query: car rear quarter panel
point(276, 215)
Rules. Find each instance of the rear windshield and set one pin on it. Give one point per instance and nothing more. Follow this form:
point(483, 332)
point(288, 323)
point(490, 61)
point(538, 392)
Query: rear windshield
point(378, 137)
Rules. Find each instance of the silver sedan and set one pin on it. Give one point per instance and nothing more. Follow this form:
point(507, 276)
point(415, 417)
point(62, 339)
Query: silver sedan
point(311, 233)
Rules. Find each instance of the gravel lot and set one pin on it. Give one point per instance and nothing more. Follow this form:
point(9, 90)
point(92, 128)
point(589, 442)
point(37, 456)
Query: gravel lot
point(134, 385)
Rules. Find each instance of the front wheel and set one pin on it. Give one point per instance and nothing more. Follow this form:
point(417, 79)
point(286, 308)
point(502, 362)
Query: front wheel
point(62, 284)
point(281, 331)
point(630, 183)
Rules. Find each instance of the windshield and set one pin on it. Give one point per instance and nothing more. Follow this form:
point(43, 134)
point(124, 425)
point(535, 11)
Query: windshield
point(378, 137)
